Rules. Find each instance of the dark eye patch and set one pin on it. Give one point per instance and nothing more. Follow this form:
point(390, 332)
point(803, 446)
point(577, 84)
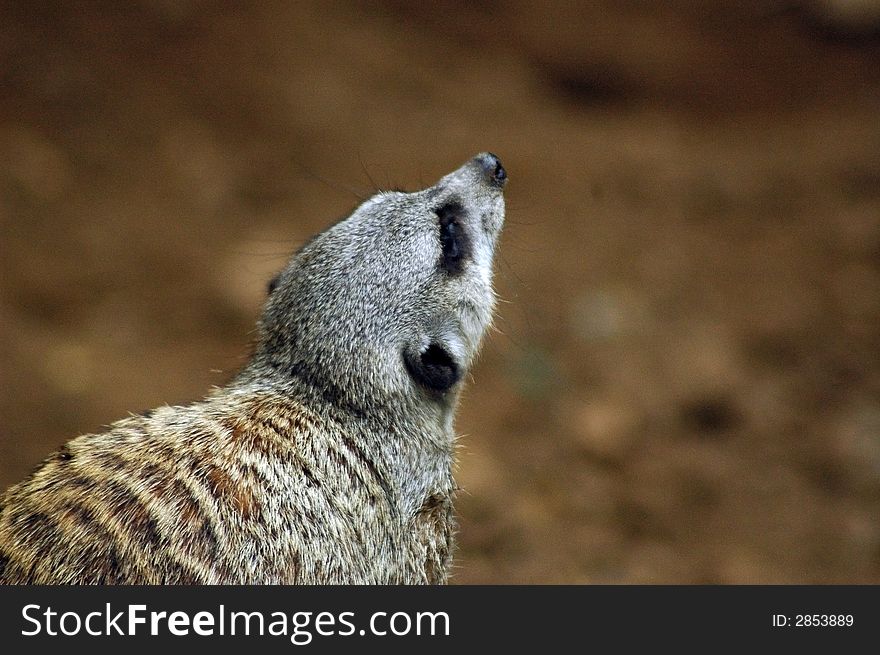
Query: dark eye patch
point(454, 241)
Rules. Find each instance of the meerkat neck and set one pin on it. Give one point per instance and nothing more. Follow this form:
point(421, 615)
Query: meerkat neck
point(410, 450)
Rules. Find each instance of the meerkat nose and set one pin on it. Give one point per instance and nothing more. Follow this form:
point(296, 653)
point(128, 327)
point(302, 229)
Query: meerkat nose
point(492, 168)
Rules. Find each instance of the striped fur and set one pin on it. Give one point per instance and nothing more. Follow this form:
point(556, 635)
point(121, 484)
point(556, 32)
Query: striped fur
point(234, 490)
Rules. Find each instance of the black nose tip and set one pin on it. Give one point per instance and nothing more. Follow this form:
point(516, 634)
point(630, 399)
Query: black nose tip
point(495, 173)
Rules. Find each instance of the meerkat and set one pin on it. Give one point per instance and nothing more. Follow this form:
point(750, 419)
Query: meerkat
point(328, 458)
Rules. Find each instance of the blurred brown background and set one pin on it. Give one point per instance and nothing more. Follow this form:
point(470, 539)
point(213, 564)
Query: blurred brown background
point(686, 383)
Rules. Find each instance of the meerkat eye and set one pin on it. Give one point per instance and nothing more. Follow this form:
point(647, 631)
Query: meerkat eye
point(454, 242)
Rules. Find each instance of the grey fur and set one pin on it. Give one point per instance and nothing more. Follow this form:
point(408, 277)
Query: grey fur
point(327, 459)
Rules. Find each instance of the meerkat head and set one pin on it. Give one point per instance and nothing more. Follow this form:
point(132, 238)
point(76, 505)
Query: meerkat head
point(391, 303)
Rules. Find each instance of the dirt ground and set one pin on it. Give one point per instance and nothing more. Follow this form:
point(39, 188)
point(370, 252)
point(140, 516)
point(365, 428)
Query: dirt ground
point(685, 382)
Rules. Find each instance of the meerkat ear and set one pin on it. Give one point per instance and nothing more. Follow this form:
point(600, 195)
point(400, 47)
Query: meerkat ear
point(273, 284)
point(433, 368)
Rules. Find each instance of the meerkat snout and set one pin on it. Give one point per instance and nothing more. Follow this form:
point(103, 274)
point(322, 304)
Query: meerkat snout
point(493, 168)
point(329, 457)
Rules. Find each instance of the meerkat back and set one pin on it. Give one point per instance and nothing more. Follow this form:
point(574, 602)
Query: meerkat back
point(328, 458)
